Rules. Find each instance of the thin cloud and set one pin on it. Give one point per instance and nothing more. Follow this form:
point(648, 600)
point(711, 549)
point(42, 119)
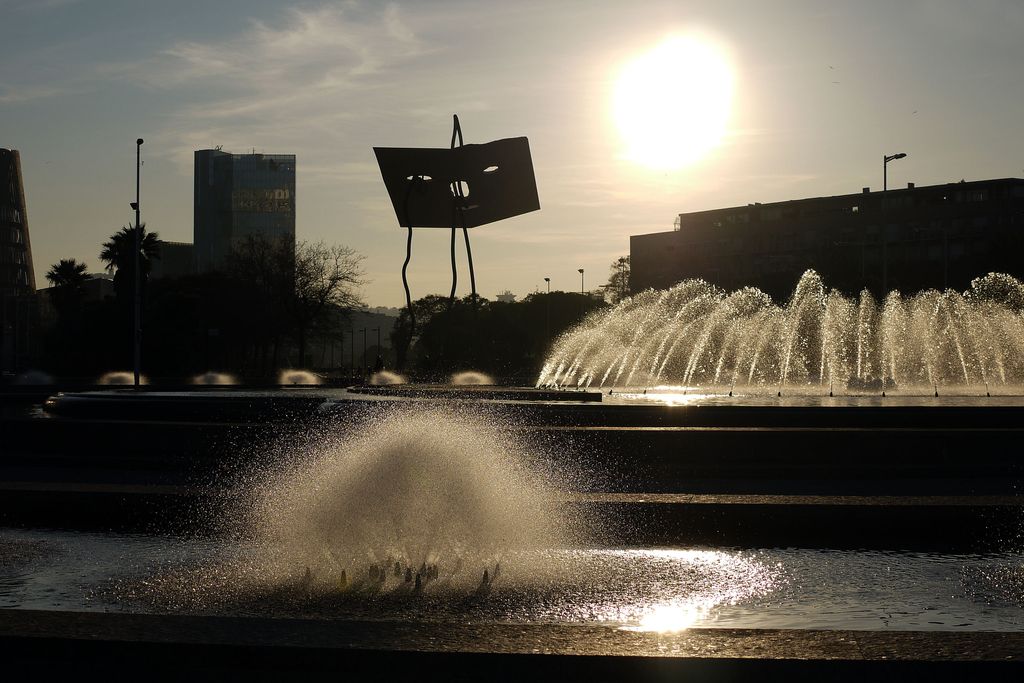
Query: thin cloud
point(20, 94)
point(34, 5)
point(291, 83)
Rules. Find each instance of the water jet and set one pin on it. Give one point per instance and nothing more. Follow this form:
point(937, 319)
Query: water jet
point(294, 377)
point(212, 378)
point(385, 377)
point(471, 377)
point(120, 378)
point(695, 334)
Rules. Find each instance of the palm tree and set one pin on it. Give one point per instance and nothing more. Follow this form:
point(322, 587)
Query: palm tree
point(119, 255)
point(68, 273)
point(67, 277)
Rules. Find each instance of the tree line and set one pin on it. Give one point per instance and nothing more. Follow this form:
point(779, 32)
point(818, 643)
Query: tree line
point(257, 314)
point(272, 300)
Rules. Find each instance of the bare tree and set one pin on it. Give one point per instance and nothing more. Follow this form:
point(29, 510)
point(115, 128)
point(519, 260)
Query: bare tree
point(300, 289)
point(326, 278)
point(617, 288)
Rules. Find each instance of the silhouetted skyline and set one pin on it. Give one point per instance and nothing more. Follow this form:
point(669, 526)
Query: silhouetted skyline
point(819, 93)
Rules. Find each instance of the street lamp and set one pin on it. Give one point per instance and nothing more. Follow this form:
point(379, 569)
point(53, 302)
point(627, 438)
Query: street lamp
point(352, 352)
point(364, 349)
point(885, 166)
point(547, 311)
point(886, 158)
point(138, 279)
point(375, 360)
point(582, 291)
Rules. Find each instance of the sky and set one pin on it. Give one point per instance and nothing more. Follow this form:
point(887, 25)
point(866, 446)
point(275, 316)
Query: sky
point(819, 93)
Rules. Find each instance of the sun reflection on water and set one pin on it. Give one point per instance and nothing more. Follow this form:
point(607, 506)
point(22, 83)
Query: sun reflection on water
point(691, 585)
point(671, 618)
point(666, 394)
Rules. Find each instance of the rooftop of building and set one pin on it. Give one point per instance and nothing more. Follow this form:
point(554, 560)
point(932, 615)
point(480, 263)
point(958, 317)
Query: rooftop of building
point(852, 199)
point(909, 187)
point(249, 155)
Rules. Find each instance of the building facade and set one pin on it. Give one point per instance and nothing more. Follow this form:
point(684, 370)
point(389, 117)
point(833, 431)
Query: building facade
point(913, 238)
point(18, 306)
point(16, 274)
point(238, 197)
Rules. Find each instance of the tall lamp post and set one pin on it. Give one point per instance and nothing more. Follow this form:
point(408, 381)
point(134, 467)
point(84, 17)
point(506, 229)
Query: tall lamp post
point(352, 351)
point(547, 311)
point(138, 276)
point(885, 232)
point(377, 330)
point(583, 292)
point(364, 349)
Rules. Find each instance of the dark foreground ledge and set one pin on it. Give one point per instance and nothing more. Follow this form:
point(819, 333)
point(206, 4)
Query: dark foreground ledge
point(918, 523)
point(139, 645)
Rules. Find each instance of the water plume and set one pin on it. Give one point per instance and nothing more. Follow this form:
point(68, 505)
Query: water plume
point(120, 378)
point(214, 378)
point(697, 335)
point(471, 377)
point(386, 377)
point(298, 377)
point(421, 493)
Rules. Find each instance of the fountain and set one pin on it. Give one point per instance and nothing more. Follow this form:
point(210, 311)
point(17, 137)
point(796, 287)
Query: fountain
point(697, 335)
point(120, 378)
point(385, 377)
point(415, 525)
point(438, 517)
point(214, 379)
point(418, 490)
point(471, 378)
point(298, 377)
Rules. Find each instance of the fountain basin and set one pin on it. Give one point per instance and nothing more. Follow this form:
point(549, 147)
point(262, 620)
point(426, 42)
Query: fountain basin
point(638, 589)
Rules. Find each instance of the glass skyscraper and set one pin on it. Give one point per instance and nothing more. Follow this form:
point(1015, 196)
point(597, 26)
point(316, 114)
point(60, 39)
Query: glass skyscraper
point(239, 196)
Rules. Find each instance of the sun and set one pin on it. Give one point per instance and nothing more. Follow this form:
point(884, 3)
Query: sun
point(672, 104)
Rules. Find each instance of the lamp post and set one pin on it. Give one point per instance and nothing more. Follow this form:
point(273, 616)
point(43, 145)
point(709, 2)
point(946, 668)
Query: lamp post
point(885, 166)
point(886, 158)
point(352, 352)
point(138, 277)
point(547, 311)
point(377, 330)
point(364, 349)
point(583, 293)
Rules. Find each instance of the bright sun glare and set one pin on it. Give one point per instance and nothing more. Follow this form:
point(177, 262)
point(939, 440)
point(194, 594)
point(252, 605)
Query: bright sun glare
point(672, 103)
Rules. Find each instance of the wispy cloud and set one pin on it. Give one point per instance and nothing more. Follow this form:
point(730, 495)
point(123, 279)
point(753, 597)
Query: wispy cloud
point(290, 82)
point(34, 5)
point(20, 94)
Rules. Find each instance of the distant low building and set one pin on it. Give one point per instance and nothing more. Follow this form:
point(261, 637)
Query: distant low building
point(908, 239)
point(506, 297)
point(98, 287)
point(176, 260)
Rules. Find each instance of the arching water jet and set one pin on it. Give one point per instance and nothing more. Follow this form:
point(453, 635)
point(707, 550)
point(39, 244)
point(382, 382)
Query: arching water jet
point(694, 334)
